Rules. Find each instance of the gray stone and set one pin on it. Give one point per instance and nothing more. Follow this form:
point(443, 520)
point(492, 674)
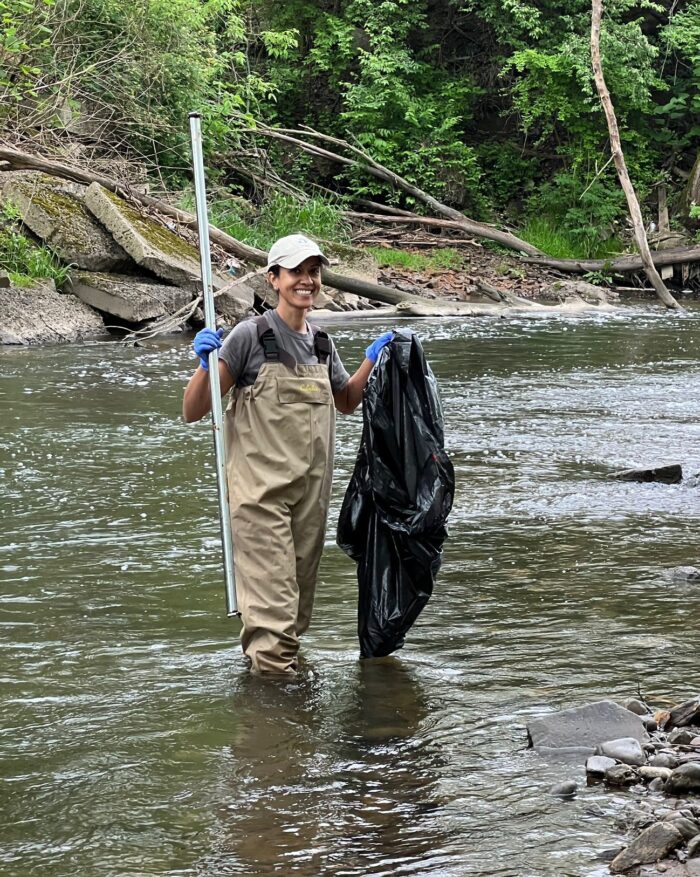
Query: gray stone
point(689, 828)
point(566, 789)
point(585, 727)
point(663, 759)
point(694, 848)
point(40, 315)
point(133, 299)
point(621, 775)
point(672, 474)
point(657, 785)
point(649, 723)
point(55, 212)
point(649, 773)
point(596, 765)
point(234, 302)
point(4, 281)
point(681, 737)
point(150, 244)
point(625, 749)
point(687, 713)
point(652, 844)
point(685, 778)
point(638, 707)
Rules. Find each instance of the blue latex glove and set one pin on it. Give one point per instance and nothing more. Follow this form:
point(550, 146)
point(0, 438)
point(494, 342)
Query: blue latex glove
point(204, 342)
point(372, 352)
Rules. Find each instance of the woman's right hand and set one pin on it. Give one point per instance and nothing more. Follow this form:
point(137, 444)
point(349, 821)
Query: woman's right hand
point(204, 342)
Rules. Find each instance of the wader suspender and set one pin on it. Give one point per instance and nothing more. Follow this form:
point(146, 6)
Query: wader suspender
point(273, 353)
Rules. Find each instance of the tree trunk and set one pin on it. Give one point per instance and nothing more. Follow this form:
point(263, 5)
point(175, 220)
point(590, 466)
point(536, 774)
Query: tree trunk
point(621, 165)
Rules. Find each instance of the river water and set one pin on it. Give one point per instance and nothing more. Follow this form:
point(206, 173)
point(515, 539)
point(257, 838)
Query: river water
point(134, 743)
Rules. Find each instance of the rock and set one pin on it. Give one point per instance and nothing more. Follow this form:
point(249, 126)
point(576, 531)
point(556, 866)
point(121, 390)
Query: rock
point(55, 212)
point(638, 707)
point(684, 778)
point(663, 474)
point(649, 773)
point(657, 785)
point(133, 299)
point(625, 749)
point(687, 713)
point(652, 844)
point(689, 828)
point(695, 742)
point(150, 244)
point(597, 765)
point(4, 281)
point(585, 727)
point(680, 737)
point(664, 759)
point(566, 789)
point(621, 775)
point(234, 303)
point(694, 848)
point(649, 723)
point(681, 574)
point(40, 315)
point(587, 291)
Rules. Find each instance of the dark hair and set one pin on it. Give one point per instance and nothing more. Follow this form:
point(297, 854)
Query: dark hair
point(275, 269)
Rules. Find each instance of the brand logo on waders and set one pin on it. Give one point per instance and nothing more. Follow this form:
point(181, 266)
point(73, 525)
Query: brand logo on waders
point(309, 388)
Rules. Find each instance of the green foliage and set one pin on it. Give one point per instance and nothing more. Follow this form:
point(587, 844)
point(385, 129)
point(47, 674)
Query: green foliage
point(23, 260)
point(562, 242)
point(435, 260)
point(281, 215)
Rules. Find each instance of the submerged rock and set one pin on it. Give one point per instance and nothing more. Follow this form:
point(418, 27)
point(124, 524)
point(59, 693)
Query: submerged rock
point(652, 844)
point(672, 474)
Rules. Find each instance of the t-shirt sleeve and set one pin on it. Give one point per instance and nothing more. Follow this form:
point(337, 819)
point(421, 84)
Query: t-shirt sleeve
point(237, 347)
point(339, 376)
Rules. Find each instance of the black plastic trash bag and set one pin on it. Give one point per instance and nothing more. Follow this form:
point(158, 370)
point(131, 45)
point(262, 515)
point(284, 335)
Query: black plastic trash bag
point(392, 521)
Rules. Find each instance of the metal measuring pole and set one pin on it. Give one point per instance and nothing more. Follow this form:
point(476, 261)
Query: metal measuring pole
point(214, 385)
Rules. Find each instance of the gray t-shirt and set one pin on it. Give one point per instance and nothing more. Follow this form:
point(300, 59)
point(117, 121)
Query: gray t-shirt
point(243, 353)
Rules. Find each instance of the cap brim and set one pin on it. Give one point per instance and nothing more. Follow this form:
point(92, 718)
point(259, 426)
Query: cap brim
point(298, 257)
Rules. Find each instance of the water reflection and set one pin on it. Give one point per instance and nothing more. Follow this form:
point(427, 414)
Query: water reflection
point(330, 775)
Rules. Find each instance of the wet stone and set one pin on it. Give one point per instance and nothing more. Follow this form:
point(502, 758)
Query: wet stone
point(597, 765)
point(664, 759)
point(625, 749)
point(638, 707)
point(672, 474)
point(621, 775)
point(685, 778)
point(649, 773)
point(652, 844)
point(566, 789)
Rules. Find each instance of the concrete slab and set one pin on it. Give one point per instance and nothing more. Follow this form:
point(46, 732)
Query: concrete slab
point(150, 244)
point(40, 315)
point(55, 212)
point(133, 299)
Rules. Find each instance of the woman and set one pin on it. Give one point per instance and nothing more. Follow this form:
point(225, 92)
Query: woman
point(287, 381)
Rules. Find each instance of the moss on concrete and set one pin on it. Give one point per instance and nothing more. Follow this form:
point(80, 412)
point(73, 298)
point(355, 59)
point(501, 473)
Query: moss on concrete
point(157, 235)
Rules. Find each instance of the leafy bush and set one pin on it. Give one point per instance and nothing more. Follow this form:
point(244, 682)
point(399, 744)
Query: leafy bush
point(437, 259)
point(26, 262)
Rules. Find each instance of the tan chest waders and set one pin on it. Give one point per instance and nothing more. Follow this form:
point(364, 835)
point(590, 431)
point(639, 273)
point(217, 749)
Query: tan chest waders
point(280, 437)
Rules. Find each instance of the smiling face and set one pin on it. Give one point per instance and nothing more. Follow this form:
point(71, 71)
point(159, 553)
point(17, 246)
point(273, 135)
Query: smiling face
point(297, 287)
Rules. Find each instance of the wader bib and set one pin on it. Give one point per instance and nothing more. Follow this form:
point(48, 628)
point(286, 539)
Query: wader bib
point(280, 438)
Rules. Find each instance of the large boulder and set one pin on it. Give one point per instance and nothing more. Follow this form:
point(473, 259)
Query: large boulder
point(40, 315)
point(133, 299)
point(150, 244)
point(54, 210)
point(579, 731)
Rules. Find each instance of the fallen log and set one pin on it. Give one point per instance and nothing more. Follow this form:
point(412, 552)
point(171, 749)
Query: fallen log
point(365, 161)
point(620, 264)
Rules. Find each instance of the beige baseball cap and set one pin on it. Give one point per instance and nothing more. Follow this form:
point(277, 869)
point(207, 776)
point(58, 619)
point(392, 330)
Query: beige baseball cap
point(292, 250)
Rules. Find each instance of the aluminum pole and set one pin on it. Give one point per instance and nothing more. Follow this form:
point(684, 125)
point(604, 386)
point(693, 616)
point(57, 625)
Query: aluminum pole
point(214, 385)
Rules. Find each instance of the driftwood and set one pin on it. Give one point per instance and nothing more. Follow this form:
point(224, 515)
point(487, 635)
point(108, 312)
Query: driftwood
point(621, 165)
point(620, 264)
point(365, 161)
